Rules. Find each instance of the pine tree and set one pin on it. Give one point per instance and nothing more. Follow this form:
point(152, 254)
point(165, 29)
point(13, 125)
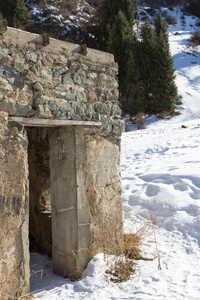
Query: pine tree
point(146, 73)
point(14, 11)
point(111, 30)
point(121, 43)
point(133, 98)
point(157, 90)
point(146, 58)
point(164, 88)
point(102, 23)
point(20, 13)
point(122, 48)
point(160, 25)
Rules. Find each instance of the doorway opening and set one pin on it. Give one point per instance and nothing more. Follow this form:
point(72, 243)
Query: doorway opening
point(40, 231)
point(59, 213)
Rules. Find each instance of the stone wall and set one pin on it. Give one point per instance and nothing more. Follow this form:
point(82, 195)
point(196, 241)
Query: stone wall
point(103, 181)
point(14, 257)
point(57, 81)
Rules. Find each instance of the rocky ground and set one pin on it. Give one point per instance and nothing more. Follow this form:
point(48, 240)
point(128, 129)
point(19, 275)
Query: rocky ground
point(65, 20)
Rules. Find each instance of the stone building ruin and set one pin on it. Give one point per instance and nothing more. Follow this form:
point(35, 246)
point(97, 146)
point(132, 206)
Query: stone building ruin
point(60, 185)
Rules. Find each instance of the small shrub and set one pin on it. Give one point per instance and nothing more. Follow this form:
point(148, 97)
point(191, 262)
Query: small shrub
point(197, 23)
point(196, 37)
point(194, 42)
point(165, 115)
point(29, 25)
point(151, 11)
point(176, 113)
point(179, 100)
point(40, 3)
point(171, 8)
point(140, 120)
point(183, 23)
point(171, 20)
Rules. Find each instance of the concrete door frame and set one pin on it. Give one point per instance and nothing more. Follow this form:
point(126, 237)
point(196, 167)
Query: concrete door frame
point(69, 209)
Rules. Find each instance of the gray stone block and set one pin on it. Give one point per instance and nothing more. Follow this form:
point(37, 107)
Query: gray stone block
point(57, 71)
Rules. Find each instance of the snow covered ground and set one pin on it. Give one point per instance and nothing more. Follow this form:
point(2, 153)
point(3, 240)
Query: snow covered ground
point(160, 176)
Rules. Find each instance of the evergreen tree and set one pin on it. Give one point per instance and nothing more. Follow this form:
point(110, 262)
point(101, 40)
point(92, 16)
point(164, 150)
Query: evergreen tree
point(146, 73)
point(102, 23)
point(111, 30)
point(164, 88)
point(157, 90)
point(160, 26)
point(20, 13)
point(122, 48)
point(121, 44)
point(14, 11)
point(109, 9)
point(146, 58)
point(133, 98)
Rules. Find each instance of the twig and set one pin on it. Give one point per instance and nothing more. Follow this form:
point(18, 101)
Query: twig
point(154, 233)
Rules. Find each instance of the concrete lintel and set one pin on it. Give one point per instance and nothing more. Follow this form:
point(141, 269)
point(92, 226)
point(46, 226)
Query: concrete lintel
point(34, 122)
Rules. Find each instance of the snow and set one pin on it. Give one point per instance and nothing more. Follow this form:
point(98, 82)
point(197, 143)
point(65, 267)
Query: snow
point(160, 177)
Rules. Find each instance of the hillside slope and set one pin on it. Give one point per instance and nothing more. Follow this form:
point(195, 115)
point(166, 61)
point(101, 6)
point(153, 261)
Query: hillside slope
point(65, 20)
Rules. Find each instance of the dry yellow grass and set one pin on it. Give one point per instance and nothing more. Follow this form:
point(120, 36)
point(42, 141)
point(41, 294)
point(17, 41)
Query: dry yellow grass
point(132, 246)
point(124, 267)
point(121, 270)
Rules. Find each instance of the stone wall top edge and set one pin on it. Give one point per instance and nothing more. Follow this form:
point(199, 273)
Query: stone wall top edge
point(22, 38)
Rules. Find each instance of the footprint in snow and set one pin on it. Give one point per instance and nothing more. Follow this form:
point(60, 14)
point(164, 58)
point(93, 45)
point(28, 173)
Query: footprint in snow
point(152, 190)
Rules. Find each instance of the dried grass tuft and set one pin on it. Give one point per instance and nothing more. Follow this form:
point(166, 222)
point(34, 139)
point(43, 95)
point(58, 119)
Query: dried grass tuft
point(124, 267)
point(132, 243)
point(121, 270)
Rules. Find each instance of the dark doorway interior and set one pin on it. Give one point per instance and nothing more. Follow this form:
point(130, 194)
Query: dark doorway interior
point(40, 232)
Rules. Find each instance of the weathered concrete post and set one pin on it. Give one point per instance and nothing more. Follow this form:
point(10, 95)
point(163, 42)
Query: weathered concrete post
point(64, 200)
point(70, 211)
